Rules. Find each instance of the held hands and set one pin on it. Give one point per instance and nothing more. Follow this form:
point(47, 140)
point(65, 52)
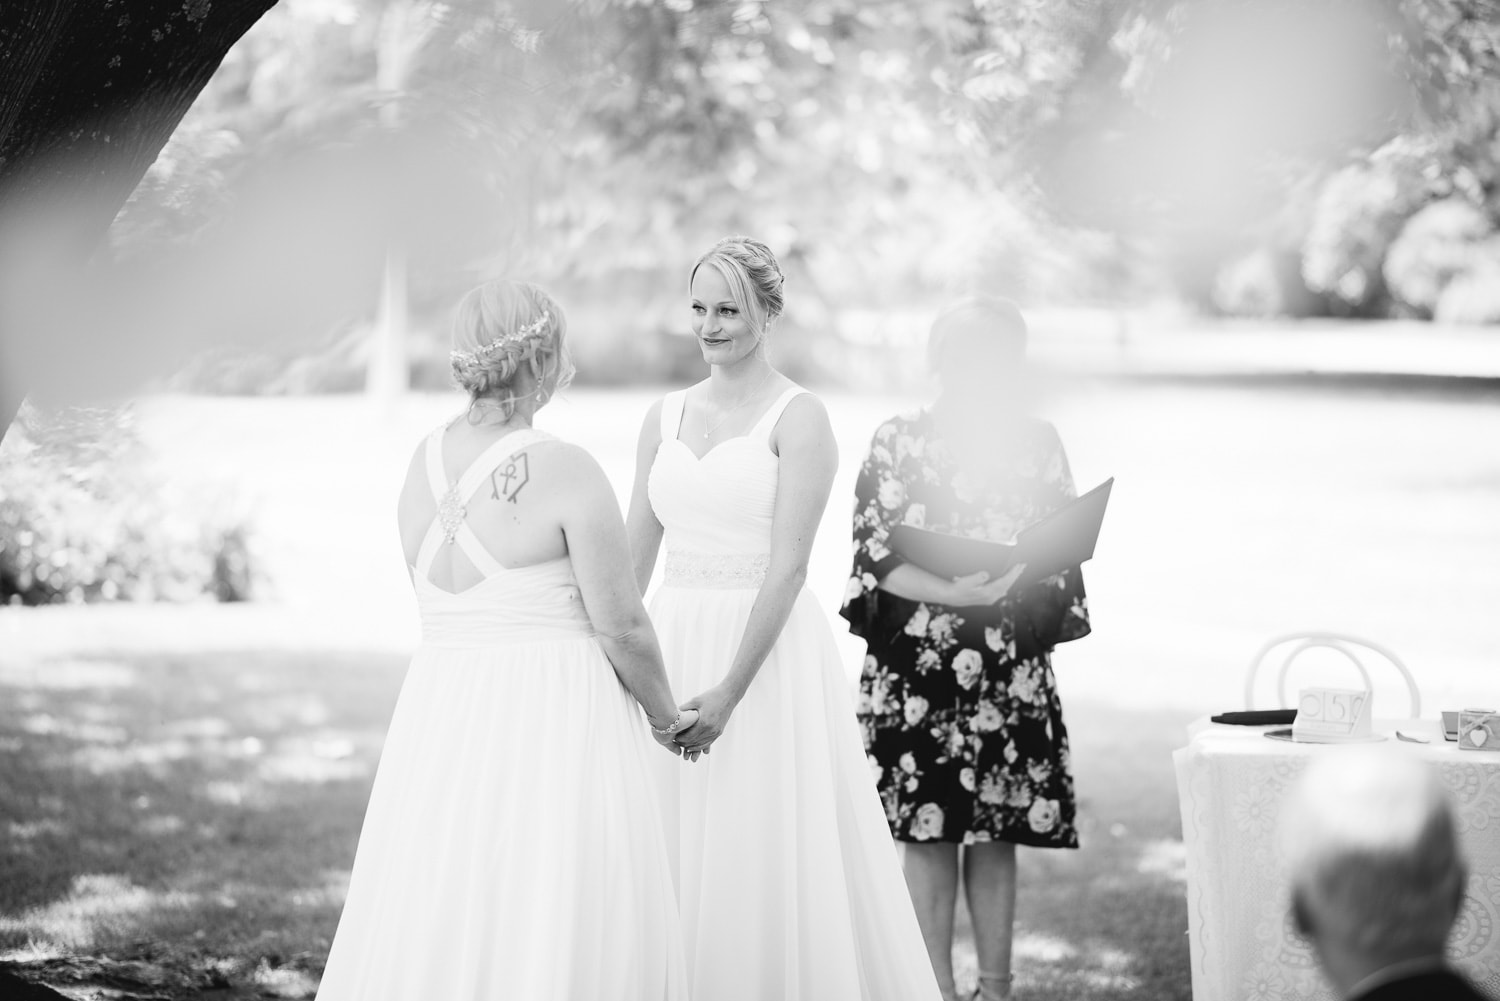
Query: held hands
point(978, 589)
point(714, 708)
point(669, 740)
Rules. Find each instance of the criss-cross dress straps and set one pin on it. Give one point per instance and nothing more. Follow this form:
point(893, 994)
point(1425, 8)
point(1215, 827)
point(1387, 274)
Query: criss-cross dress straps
point(450, 524)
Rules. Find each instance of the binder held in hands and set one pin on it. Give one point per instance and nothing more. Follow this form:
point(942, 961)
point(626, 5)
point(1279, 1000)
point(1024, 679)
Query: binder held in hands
point(1058, 542)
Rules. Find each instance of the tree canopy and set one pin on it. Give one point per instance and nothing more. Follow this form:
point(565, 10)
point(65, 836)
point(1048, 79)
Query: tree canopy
point(1263, 157)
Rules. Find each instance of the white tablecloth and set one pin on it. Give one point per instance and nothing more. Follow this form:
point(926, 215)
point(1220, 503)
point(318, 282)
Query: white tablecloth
point(1231, 781)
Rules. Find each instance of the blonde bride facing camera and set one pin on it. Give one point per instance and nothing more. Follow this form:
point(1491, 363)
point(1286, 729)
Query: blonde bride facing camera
point(787, 877)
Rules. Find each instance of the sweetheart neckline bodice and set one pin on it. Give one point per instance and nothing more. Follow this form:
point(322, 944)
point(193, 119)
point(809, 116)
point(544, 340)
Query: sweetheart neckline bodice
point(723, 501)
point(714, 448)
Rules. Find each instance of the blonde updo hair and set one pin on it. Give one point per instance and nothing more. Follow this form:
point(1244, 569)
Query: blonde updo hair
point(1002, 319)
point(500, 327)
point(753, 276)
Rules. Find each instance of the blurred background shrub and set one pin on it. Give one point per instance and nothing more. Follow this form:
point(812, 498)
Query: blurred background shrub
point(1437, 244)
point(83, 518)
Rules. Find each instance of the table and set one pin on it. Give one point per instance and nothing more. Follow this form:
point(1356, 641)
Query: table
point(1231, 781)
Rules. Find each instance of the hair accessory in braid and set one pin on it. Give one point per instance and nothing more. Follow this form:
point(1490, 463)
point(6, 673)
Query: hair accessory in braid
point(484, 351)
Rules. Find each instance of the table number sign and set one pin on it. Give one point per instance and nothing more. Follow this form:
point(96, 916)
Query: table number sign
point(1478, 730)
point(1332, 714)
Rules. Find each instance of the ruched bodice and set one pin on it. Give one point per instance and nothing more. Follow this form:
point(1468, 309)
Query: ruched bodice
point(720, 504)
point(723, 503)
point(526, 604)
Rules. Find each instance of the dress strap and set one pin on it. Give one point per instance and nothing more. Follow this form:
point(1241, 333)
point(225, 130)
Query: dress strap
point(492, 457)
point(437, 481)
point(672, 406)
point(767, 423)
point(449, 524)
point(428, 550)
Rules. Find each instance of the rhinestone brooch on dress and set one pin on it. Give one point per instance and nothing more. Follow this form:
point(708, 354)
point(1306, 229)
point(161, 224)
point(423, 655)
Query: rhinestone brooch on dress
point(451, 514)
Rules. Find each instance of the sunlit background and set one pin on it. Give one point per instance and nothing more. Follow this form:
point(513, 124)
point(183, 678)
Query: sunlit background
point(1256, 243)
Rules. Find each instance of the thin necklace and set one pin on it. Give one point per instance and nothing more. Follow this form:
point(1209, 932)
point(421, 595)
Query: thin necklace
point(708, 431)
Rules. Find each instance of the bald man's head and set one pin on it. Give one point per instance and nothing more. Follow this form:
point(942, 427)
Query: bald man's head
point(1369, 842)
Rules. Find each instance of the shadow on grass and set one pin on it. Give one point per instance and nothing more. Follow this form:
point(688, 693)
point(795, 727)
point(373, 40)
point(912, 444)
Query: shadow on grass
point(183, 827)
point(175, 826)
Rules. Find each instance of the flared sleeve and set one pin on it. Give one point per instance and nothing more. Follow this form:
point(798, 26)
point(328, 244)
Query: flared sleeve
point(1056, 608)
point(881, 500)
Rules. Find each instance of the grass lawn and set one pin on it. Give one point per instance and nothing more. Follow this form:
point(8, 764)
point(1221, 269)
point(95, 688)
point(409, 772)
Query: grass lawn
point(178, 815)
point(182, 826)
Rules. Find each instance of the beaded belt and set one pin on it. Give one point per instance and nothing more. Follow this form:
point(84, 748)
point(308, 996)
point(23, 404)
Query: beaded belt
point(700, 570)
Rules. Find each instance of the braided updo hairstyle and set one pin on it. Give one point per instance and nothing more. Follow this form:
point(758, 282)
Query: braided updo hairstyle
point(753, 276)
point(496, 311)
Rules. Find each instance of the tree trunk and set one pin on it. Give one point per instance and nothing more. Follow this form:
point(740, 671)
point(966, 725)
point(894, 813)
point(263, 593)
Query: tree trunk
point(386, 374)
point(90, 91)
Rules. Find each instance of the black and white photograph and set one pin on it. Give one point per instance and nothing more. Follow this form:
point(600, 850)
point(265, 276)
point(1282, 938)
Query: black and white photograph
point(750, 500)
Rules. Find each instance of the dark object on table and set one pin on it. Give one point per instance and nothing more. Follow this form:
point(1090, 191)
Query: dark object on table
point(1291, 736)
point(1257, 717)
point(1060, 541)
point(1450, 726)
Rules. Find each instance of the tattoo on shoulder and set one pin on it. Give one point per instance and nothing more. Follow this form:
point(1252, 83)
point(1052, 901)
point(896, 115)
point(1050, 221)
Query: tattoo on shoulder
point(507, 480)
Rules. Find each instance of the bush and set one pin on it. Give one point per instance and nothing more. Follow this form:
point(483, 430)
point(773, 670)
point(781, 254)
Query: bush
point(1265, 282)
point(83, 519)
point(1359, 213)
point(1435, 246)
point(1473, 296)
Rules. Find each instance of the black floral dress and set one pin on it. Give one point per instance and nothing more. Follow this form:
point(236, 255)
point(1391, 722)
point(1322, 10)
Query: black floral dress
point(958, 707)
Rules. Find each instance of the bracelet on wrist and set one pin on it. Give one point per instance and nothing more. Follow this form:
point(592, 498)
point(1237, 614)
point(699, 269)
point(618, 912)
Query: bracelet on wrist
point(669, 729)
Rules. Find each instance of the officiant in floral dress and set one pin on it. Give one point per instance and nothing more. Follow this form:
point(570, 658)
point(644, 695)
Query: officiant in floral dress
point(958, 706)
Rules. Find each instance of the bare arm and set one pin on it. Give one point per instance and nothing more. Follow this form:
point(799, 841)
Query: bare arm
point(641, 525)
point(590, 519)
point(912, 582)
point(809, 459)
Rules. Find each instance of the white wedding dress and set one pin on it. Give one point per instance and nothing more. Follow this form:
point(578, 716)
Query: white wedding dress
point(788, 881)
point(513, 848)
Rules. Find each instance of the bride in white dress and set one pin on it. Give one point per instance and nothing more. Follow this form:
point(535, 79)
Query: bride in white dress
point(788, 881)
point(513, 845)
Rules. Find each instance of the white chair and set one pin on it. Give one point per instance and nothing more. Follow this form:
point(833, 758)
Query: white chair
point(1351, 647)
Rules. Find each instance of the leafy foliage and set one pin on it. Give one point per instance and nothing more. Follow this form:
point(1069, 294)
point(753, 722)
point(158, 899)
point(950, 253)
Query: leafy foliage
point(893, 153)
point(83, 519)
point(1359, 214)
point(1437, 245)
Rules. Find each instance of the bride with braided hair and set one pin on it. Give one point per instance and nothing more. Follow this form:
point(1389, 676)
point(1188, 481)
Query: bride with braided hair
point(789, 882)
point(513, 846)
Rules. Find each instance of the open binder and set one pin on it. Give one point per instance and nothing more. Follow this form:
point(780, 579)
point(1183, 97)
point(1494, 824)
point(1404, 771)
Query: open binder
point(1060, 541)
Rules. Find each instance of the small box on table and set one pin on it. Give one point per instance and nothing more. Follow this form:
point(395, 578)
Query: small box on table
point(1332, 714)
point(1478, 730)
